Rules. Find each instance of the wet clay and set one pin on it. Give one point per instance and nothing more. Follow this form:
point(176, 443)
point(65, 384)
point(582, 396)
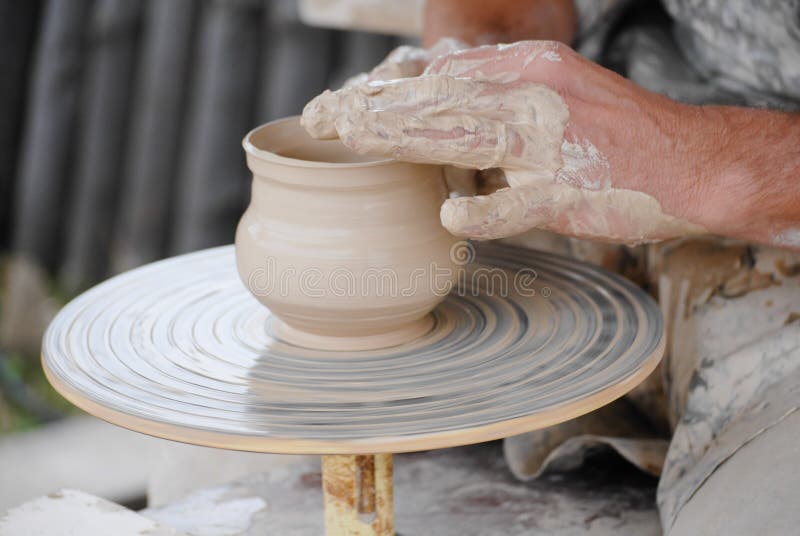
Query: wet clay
point(556, 183)
point(706, 268)
point(462, 122)
point(346, 251)
point(406, 61)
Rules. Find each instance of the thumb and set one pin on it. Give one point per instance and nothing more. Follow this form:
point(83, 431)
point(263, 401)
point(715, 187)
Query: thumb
point(612, 215)
point(506, 212)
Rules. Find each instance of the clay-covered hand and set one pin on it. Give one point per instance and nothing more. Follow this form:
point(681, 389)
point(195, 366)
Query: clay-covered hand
point(406, 61)
point(585, 151)
point(403, 62)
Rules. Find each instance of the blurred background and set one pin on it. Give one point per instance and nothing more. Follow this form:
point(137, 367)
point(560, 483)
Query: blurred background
point(120, 130)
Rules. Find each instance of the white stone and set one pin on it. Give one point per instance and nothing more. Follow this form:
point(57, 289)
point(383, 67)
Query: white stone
point(70, 512)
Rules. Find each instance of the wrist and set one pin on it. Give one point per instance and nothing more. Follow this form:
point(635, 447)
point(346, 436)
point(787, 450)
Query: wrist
point(672, 158)
point(746, 165)
point(700, 135)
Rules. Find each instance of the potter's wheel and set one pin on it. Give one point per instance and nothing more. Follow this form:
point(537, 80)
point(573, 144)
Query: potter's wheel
point(180, 349)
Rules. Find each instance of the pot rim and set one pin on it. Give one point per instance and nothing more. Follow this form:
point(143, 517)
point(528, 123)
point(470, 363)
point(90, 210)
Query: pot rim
point(270, 156)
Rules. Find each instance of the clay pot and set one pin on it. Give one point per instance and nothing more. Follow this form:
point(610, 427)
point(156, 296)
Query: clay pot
point(346, 251)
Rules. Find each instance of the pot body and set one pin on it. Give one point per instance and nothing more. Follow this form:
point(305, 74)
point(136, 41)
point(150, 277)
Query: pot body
point(349, 253)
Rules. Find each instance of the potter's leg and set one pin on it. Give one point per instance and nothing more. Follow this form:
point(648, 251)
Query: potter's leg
point(756, 491)
point(732, 379)
point(358, 495)
point(732, 464)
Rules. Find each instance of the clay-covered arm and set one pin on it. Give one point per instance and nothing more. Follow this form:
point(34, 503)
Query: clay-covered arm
point(483, 22)
point(585, 151)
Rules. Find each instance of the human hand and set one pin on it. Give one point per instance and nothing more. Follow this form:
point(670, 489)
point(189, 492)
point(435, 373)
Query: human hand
point(402, 62)
point(406, 62)
point(585, 151)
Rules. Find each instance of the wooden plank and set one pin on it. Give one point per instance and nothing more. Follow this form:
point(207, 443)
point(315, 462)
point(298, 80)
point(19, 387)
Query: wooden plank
point(358, 495)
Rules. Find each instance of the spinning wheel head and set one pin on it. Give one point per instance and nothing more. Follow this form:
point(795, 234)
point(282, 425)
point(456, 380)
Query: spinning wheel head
point(180, 349)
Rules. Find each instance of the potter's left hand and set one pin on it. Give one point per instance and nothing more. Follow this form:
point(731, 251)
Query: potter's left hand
point(585, 152)
point(406, 62)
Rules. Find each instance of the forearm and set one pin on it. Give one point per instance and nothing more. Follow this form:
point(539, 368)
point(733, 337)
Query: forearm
point(480, 22)
point(635, 166)
point(747, 183)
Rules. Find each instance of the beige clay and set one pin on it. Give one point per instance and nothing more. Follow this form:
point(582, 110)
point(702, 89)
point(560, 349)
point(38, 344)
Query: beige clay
point(556, 183)
point(346, 250)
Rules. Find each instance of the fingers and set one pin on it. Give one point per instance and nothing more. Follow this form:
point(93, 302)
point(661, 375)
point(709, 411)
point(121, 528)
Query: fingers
point(403, 62)
point(406, 61)
point(446, 45)
point(504, 213)
point(446, 120)
point(613, 215)
point(319, 115)
point(536, 61)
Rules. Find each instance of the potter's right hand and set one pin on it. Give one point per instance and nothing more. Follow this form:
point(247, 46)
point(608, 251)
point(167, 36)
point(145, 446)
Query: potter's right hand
point(585, 151)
